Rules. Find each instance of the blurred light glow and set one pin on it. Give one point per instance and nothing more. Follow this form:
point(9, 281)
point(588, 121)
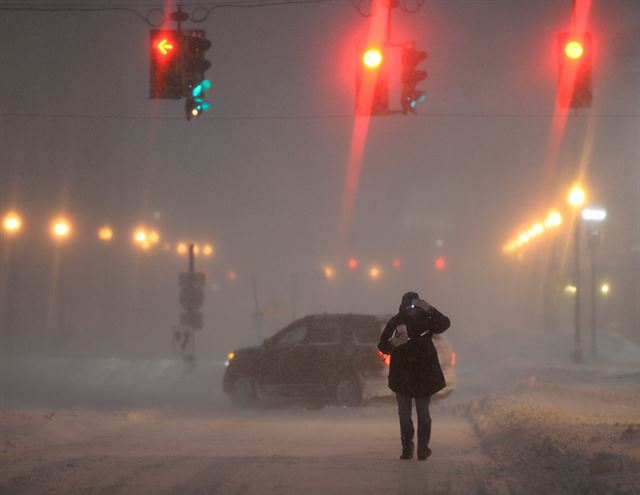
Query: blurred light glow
point(12, 223)
point(372, 58)
point(329, 272)
point(574, 49)
point(576, 196)
point(605, 289)
point(181, 248)
point(553, 220)
point(207, 250)
point(395, 263)
point(154, 237)
point(374, 272)
point(570, 289)
point(440, 263)
point(352, 263)
point(594, 214)
point(232, 276)
point(140, 235)
point(105, 233)
point(60, 228)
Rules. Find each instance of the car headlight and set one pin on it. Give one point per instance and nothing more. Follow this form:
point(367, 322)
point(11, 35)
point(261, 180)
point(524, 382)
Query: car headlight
point(230, 357)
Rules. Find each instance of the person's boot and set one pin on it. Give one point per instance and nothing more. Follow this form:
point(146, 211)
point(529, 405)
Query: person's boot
point(407, 451)
point(424, 453)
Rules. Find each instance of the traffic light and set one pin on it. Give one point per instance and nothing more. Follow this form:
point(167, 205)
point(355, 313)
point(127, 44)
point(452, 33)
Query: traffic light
point(196, 104)
point(574, 70)
point(372, 88)
point(410, 96)
point(165, 78)
point(440, 263)
point(194, 67)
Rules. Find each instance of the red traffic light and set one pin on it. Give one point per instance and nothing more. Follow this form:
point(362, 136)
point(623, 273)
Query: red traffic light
point(574, 49)
point(372, 89)
point(440, 263)
point(165, 73)
point(164, 45)
point(372, 58)
point(575, 57)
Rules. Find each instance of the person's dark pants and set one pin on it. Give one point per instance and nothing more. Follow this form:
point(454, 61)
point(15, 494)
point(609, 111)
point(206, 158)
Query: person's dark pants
point(406, 423)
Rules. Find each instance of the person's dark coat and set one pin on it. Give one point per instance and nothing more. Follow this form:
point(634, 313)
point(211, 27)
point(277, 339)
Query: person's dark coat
point(415, 370)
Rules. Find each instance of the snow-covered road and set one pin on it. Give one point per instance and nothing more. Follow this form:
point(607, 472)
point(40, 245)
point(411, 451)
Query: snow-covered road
point(272, 451)
point(146, 427)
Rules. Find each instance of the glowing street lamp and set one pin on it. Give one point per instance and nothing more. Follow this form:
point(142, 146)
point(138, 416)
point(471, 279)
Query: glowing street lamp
point(329, 272)
point(576, 196)
point(12, 223)
point(140, 235)
point(60, 229)
point(105, 233)
point(207, 250)
point(182, 249)
point(145, 239)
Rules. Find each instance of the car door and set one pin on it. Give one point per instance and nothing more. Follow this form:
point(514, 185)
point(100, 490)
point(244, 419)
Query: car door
point(323, 352)
point(280, 364)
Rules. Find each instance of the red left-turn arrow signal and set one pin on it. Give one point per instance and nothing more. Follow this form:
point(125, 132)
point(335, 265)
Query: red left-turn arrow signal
point(165, 46)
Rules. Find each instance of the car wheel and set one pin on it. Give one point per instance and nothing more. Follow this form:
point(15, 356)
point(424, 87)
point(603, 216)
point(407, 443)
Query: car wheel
point(243, 392)
point(348, 391)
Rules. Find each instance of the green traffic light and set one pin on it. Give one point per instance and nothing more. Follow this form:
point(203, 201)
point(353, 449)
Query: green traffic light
point(201, 88)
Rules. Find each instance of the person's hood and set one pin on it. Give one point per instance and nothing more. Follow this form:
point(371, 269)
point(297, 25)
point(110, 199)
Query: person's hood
point(407, 297)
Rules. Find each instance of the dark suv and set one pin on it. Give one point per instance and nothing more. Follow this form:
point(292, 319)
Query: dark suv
point(328, 358)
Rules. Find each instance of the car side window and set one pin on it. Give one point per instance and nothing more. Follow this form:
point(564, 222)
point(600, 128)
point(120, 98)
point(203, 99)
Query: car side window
point(295, 336)
point(320, 336)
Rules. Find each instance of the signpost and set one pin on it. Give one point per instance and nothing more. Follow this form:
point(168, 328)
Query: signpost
point(191, 285)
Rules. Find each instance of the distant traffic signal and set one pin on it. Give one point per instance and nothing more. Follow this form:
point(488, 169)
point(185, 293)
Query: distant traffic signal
point(574, 70)
point(410, 76)
point(165, 78)
point(440, 263)
point(372, 87)
point(195, 65)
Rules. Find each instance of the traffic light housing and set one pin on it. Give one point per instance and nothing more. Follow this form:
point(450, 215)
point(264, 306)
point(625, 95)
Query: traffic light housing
point(575, 57)
point(372, 76)
point(165, 73)
point(410, 76)
point(195, 65)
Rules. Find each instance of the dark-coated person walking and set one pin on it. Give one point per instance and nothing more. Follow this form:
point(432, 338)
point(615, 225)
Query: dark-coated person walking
point(414, 371)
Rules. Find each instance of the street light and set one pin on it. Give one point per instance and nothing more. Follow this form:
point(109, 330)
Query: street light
point(105, 233)
point(145, 239)
point(182, 249)
point(594, 217)
point(329, 272)
point(60, 229)
point(576, 199)
point(207, 250)
point(12, 223)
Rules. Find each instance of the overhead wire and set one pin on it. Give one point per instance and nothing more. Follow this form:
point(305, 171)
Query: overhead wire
point(434, 115)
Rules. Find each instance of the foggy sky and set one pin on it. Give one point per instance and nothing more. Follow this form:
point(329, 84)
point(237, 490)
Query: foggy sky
point(261, 174)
